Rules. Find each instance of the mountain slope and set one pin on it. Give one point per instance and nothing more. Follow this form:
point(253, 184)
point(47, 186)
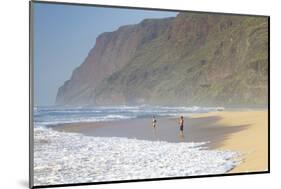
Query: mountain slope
point(193, 59)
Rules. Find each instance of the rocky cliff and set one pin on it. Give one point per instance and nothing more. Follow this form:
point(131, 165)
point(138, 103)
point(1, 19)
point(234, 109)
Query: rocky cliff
point(192, 59)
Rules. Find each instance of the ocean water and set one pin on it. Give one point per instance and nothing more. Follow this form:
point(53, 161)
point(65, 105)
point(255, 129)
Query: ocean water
point(63, 158)
point(56, 115)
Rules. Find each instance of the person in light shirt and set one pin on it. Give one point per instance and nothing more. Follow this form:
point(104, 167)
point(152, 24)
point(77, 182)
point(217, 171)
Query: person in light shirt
point(154, 122)
point(181, 122)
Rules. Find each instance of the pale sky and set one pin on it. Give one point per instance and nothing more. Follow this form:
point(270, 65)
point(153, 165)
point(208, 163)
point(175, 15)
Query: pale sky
point(63, 36)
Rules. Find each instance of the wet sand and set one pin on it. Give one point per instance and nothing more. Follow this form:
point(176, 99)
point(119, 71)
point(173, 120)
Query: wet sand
point(167, 129)
point(241, 131)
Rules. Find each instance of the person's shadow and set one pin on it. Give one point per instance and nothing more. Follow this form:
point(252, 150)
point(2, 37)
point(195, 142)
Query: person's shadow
point(181, 137)
point(155, 133)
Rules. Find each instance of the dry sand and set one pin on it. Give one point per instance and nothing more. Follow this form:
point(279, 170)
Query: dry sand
point(242, 131)
point(251, 141)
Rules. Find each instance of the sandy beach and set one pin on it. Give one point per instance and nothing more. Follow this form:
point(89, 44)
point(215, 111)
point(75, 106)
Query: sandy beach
point(242, 131)
point(252, 141)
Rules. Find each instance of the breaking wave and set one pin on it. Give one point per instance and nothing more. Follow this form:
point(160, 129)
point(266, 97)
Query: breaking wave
point(61, 158)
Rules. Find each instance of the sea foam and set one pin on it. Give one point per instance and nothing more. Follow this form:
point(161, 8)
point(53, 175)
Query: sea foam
point(64, 158)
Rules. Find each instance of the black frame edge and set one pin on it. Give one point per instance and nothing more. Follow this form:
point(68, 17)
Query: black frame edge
point(142, 8)
point(31, 133)
point(149, 180)
point(268, 95)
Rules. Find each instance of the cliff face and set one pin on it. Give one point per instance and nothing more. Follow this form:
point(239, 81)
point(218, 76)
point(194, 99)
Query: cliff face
point(113, 50)
point(192, 59)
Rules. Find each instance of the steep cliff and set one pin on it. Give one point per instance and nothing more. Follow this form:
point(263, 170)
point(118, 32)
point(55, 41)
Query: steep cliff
point(192, 59)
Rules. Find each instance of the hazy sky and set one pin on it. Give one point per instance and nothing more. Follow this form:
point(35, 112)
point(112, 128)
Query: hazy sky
point(63, 36)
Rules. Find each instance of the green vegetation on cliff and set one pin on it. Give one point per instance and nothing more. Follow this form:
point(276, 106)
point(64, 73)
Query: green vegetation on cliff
point(193, 59)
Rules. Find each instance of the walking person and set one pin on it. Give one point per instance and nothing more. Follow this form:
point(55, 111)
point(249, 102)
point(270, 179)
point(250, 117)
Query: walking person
point(154, 127)
point(181, 122)
point(153, 122)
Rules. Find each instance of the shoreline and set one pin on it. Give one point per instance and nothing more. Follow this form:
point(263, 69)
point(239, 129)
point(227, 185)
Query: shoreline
point(167, 129)
point(225, 130)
